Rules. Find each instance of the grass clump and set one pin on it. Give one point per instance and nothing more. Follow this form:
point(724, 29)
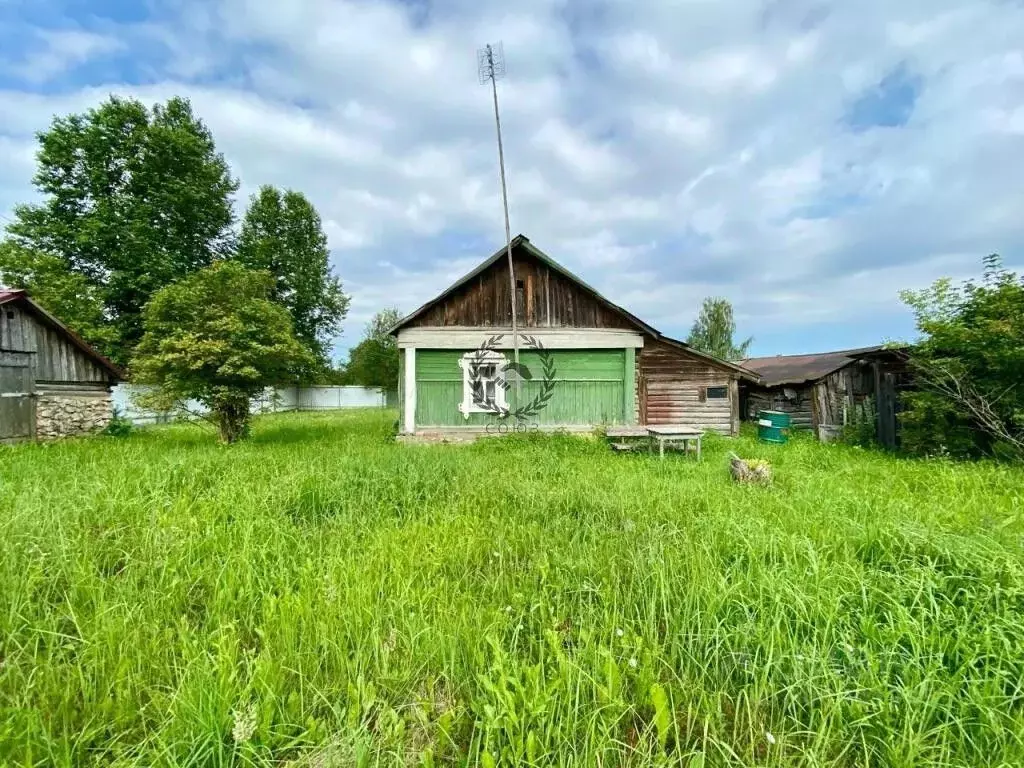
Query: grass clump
point(322, 595)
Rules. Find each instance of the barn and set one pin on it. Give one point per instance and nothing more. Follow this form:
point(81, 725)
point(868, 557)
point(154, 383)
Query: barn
point(583, 362)
point(52, 383)
point(826, 389)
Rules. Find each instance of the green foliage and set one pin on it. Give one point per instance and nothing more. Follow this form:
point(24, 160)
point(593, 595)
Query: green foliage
point(373, 362)
point(862, 429)
point(320, 596)
point(714, 329)
point(282, 234)
point(68, 295)
point(969, 362)
point(133, 199)
point(119, 425)
point(216, 337)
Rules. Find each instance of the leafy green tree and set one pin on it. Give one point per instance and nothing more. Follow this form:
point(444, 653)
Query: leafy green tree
point(216, 337)
point(282, 233)
point(66, 294)
point(373, 362)
point(969, 364)
point(714, 329)
point(133, 199)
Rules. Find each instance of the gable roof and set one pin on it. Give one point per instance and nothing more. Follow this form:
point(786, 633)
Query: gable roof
point(522, 243)
point(801, 369)
point(8, 296)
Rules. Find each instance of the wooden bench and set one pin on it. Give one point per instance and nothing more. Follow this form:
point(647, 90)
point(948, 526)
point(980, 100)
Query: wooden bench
point(627, 438)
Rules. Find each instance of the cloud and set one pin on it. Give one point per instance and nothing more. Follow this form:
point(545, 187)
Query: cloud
point(806, 159)
point(58, 50)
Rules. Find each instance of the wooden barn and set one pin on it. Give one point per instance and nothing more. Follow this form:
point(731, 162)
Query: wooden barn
point(52, 384)
point(822, 390)
point(585, 362)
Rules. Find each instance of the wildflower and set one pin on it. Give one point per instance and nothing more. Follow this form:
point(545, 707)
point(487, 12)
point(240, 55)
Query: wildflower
point(495, 554)
point(769, 737)
point(619, 633)
point(633, 663)
point(244, 725)
point(508, 609)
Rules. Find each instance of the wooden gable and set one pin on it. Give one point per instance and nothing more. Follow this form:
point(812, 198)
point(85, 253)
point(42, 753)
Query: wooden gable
point(546, 297)
point(57, 354)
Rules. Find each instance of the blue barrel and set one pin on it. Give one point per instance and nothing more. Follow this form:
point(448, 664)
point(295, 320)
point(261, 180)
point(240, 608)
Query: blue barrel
point(773, 426)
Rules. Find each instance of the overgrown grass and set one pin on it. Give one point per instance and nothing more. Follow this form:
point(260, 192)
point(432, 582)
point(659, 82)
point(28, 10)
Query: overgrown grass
point(323, 596)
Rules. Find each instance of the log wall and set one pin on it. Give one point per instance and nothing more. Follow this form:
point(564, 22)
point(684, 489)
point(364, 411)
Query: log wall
point(671, 389)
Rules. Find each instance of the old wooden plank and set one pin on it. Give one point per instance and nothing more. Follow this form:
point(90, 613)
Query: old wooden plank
point(629, 390)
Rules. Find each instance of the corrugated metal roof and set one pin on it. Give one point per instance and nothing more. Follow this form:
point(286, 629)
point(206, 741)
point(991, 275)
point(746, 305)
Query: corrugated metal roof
point(799, 369)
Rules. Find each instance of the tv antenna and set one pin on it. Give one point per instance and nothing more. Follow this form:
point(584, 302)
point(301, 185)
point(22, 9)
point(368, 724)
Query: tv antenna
point(491, 68)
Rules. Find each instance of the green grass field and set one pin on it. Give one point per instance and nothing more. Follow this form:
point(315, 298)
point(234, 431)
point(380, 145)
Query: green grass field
point(323, 596)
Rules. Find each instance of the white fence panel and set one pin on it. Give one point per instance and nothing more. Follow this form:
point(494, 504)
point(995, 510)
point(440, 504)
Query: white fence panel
point(271, 401)
point(328, 398)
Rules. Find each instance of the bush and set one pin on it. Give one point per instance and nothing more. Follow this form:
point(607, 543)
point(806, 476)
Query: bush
point(119, 425)
point(968, 364)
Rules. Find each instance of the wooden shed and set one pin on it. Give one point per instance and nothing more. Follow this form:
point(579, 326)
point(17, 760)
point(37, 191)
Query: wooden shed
point(52, 383)
point(827, 389)
point(584, 361)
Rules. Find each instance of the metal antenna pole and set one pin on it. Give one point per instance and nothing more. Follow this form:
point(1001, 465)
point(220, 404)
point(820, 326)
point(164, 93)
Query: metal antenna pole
point(491, 67)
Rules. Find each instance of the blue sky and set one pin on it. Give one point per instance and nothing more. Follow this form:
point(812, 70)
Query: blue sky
point(806, 159)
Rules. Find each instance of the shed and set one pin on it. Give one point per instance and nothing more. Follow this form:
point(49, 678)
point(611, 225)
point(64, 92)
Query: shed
point(52, 383)
point(584, 361)
point(822, 389)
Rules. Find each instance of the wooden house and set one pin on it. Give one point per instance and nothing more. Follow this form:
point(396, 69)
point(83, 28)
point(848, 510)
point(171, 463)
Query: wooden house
point(584, 361)
point(52, 383)
point(822, 390)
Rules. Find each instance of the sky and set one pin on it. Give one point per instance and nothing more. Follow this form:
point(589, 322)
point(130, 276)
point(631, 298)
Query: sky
point(805, 159)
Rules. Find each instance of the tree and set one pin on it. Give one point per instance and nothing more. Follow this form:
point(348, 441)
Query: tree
point(68, 295)
point(282, 233)
point(133, 199)
point(373, 362)
point(714, 329)
point(216, 337)
point(968, 364)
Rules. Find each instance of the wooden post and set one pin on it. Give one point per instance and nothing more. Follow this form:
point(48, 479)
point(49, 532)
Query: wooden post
point(410, 391)
point(734, 397)
point(629, 388)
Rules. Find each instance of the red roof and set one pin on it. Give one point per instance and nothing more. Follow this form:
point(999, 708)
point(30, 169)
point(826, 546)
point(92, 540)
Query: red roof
point(7, 294)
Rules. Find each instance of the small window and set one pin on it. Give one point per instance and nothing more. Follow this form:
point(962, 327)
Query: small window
point(519, 285)
point(716, 393)
point(483, 385)
point(10, 314)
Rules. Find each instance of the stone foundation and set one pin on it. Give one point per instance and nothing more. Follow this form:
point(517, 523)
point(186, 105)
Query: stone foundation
point(65, 415)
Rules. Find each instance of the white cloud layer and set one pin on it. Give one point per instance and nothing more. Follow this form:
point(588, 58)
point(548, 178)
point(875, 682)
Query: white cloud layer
point(806, 159)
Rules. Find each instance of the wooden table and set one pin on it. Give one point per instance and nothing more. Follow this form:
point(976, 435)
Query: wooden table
point(675, 433)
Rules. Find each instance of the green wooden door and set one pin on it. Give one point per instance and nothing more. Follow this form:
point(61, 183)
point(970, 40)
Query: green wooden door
point(17, 406)
point(575, 388)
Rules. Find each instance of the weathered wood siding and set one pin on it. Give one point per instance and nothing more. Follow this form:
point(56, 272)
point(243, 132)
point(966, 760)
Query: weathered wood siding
point(17, 329)
point(55, 359)
point(545, 299)
point(17, 408)
point(836, 399)
point(589, 389)
point(671, 389)
point(796, 401)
